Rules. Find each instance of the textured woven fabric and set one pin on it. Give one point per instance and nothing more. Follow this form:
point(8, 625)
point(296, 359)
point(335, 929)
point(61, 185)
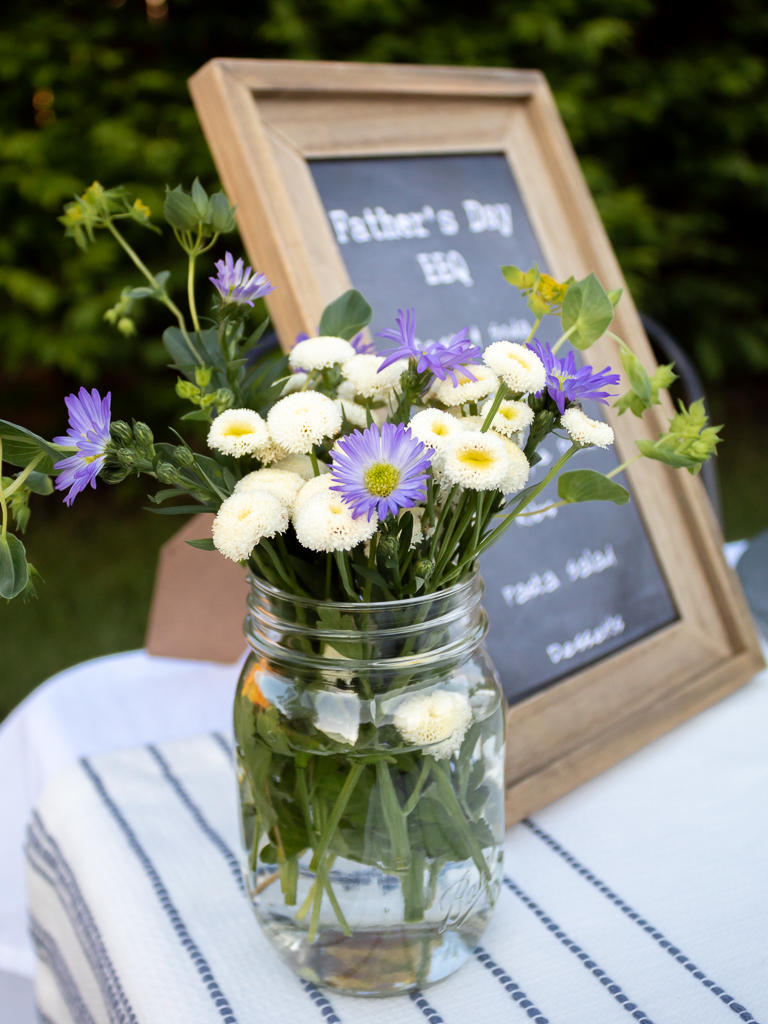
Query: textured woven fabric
point(639, 897)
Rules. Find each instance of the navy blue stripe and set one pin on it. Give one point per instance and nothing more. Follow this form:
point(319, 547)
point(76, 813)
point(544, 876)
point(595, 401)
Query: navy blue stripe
point(321, 1002)
point(41, 845)
point(224, 744)
point(591, 965)
point(50, 954)
point(234, 865)
point(429, 1011)
point(175, 784)
point(641, 922)
point(514, 989)
point(203, 968)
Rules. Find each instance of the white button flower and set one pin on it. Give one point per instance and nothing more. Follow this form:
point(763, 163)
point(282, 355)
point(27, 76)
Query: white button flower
point(362, 372)
point(301, 464)
point(300, 421)
point(585, 430)
point(284, 485)
point(242, 521)
point(435, 721)
point(519, 367)
point(433, 427)
point(474, 460)
point(325, 523)
point(320, 353)
point(238, 432)
point(467, 390)
point(511, 418)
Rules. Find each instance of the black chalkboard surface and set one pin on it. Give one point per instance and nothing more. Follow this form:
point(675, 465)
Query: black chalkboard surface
point(563, 589)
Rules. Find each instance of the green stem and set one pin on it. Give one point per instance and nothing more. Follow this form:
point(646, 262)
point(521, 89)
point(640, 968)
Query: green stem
point(23, 476)
point(412, 800)
point(338, 809)
point(191, 291)
point(500, 394)
point(541, 511)
point(393, 816)
point(162, 294)
point(533, 330)
point(623, 466)
point(346, 580)
point(313, 460)
point(453, 807)
point(564, 337)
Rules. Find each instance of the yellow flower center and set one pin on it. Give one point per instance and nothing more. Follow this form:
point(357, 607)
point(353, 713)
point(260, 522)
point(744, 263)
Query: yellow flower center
point(237, 430)
point(440, 429)
point(476, 459)
point(381, 479)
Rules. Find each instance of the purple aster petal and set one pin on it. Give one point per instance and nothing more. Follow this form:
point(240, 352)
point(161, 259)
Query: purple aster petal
point(88, 431)
point(235, 285)
point(363, 346)
point(567, 382)
point(439, 358)
point(390, 445)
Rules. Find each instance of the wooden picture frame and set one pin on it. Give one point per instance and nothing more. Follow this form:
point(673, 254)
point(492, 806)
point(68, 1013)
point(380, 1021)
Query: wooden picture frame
point(263, 120)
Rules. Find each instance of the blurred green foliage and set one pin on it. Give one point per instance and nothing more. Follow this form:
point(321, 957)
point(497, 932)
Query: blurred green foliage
point(668, 113)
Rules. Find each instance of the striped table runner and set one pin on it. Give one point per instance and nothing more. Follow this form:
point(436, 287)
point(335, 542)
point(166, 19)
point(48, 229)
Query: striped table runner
point(640, 897)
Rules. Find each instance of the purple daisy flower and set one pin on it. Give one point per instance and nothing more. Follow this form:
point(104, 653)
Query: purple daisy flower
point(380, 470)
point(442, 359)
point(568, 382)
point(88, 431)
point(235, 286)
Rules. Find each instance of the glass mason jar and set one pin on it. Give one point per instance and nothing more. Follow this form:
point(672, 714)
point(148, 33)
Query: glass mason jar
point(370, 745)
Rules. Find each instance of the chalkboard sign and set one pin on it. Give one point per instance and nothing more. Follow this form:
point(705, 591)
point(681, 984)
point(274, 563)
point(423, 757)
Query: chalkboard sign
point(608, 624)
point(571, 586)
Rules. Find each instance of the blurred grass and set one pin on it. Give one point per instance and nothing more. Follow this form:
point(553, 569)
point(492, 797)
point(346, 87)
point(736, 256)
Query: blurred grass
point(98, 562)
point(98, 558)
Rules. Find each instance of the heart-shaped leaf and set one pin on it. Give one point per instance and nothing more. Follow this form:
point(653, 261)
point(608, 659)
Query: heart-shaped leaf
point(346, 316)
point(14, 572)
point(589, 485)
point(587, 310)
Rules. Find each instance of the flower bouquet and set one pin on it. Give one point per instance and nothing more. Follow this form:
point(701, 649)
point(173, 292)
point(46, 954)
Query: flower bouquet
point(359, 489)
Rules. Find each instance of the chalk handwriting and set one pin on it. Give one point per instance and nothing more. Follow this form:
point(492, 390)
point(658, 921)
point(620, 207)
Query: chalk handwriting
point(590, 562)
point(445, 268)
point(611, 625)
point(522, 593)
point(488, 217)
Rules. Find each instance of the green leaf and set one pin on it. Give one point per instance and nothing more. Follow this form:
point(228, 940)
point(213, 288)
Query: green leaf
point(182, 510)
point(588, 309)
point(39, 483)
point(615, 295)
point(222, 214)
point(589, 485)
point(14, 571)
point(346, 316)
point(639, 380)
point(519, 278)
point(667, 455)
point(199, 198)
point(204, 544)
point(180, 211)
point(177, 348)
point(21, 446)
point(197, 414)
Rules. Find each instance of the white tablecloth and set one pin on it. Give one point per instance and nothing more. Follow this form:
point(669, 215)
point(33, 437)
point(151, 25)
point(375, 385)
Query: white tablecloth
point(640, 897)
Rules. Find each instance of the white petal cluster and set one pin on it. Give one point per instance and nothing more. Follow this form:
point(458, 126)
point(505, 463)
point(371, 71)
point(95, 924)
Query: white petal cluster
point(362, 372)
point(283, 484)
point(518, 468)
point(436, 721)
point(585, 430)
point(244, 519)
point(325, 523)
point(474, 460)
point(300, 421)
point(518, 366)
point(433, 426)
point(238, 432)
point(467, 390)
point(317, 485)
point(346, 391)
point(320, 353)
point(511, 418)
point(418, 533)
point(301, 464)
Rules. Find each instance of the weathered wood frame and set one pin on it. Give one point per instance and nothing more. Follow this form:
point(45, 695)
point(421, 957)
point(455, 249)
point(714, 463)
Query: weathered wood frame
point(264, 120)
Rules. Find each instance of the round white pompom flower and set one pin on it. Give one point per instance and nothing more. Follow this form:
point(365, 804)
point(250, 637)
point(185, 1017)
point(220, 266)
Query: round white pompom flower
point(242, 521)
point(301, 464)
point(585, 430)
point(433, 426)
point(467, 390)
point(354, 414)
point(436, 721)
point(325, 523)
point(283, 484)
point(300, 421)
point(474, 460)
point(238, 432)
point(362, 372)
point(519, 367)
point(317, 485)
point(320, 353)
point(518, 468)
point(511, 418)
point(294, 383)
